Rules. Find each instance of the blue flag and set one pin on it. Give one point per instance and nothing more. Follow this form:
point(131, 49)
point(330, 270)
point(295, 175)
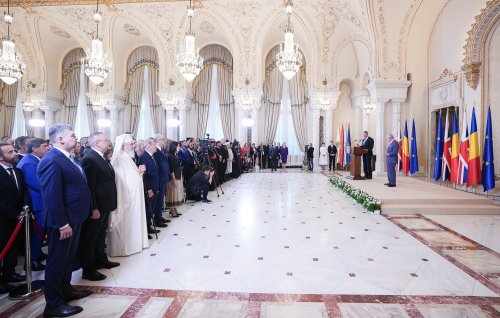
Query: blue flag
point(488, 170)
point(413, 150)
point(439, 150)
point(348, 146)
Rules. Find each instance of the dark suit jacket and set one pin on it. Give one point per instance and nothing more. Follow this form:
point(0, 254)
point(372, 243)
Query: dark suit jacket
point(186, 158)
point(332, 150)
point(392, 152)
point(28, 166)
point(101, 181)
point(368, 145)
point(151, 177)
point(12, 200)
point(163, 167)
point(65, 193)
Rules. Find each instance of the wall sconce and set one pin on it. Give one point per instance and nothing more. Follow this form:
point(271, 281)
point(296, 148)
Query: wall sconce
point(324, 102)
point(369, 107)
point(28, 104)
point(171, 103)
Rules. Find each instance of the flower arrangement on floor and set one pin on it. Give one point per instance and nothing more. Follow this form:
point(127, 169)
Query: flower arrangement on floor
point(361, 197)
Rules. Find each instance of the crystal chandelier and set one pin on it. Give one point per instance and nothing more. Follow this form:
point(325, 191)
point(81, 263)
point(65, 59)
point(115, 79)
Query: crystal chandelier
point(188, 61)
point(289, 59)
point(97, 104)
point(247, 103)
point(96, 64)
point(28, 104)
point(11, 65)
point(170, 104)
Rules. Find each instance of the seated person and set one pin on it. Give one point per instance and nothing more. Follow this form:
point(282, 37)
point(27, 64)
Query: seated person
point(197, 187)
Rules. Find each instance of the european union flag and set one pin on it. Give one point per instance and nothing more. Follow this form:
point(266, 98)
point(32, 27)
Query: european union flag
point(488, 170)
point(413, 150)
point(439, 150)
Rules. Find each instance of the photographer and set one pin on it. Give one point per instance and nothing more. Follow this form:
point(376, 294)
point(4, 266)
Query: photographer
point(197, 187)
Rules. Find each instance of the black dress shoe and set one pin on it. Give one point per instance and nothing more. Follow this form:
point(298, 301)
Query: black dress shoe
point(391, 185)
point(5, 288)
point(93, 276)
point(164, 220)
point(77, 294)
point(62, 311)
point(160, 224)
point(42, 256)
point(386, 184)
point(150, 237)
point(15, 278)
point(109, 265)
point(36, 266)
point(152, 231)
point(206, 201)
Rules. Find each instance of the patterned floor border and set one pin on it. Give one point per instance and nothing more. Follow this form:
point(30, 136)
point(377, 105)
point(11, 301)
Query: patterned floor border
point(487, 279)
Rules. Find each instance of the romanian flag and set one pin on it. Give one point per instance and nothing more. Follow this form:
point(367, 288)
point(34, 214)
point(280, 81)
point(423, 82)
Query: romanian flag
point(406, 151)
point(488, 161)
point(439, 150)
point(464, 153)
point(399, 166)
point(474, 172)
point(455, 147)
point(341, 147)
point(347, 151)
point(446, 151)
point(413, 150)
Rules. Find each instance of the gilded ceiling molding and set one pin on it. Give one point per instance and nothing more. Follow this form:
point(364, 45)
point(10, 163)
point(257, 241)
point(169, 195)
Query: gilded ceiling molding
point(37, 3)
point(474, 46)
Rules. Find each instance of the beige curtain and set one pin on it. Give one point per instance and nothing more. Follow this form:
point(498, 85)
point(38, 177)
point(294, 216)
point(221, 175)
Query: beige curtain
point(201, 99)
point(271, 100)
point(145, 56)
point(8, 102)
point(299, 100)
point(29, 129)
point(223, 59)
point(71, 83)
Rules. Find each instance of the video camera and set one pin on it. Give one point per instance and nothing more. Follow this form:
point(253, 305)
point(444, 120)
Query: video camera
point(206, 144)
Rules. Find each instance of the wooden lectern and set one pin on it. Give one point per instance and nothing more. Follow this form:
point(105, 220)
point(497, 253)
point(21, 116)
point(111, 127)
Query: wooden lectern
point(355, 165)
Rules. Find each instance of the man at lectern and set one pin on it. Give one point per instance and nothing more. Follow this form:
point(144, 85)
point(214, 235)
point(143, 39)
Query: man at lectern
point(367, 145)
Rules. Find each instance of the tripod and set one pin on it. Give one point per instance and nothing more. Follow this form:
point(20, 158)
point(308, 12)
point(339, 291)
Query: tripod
point(205, 161)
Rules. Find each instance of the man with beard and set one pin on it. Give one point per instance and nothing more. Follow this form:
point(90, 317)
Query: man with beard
point(101, 181)
point(187, 159)
point(128, 227)
point(67, 203)
point(12, 200)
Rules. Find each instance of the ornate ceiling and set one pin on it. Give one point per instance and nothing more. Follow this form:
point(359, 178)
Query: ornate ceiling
point(372, 32)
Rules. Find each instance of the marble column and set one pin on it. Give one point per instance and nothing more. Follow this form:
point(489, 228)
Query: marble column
point(380, 138)
point(49, 120)
point(395, 117)
point(183, 123)
point(328, 126)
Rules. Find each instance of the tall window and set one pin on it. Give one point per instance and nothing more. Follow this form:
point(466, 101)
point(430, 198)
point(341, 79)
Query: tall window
point(285, 131)
point(145, 129)
point(214, 122)
point(82, 120)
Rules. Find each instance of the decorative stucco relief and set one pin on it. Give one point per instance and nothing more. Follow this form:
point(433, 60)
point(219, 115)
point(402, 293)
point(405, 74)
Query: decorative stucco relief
point(130, 29)
point(403, 36)
point(59, 32)
point(207, 27)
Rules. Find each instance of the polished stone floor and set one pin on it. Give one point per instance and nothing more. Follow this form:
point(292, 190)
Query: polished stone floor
point(290, 245)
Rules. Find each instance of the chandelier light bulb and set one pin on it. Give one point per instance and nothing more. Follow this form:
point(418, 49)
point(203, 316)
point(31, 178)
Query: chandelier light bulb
point(289, 59)
point(11, 66)
point(97, 17)
point(36, 122)
point(8, 17)
point(289, 7)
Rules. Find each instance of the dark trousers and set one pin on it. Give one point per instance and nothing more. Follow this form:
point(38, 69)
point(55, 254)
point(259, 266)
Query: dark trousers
point(8, 266)
point(198, 193)
point(60, 264)
point(310, 163)
point(93, 241)
point(264, 162)
point(274, 162)
point(331, 162)
point(160, 202)
point(187, 173)
point(35, 240)
point(367, 165)
point(150, 208)
point(391, 172)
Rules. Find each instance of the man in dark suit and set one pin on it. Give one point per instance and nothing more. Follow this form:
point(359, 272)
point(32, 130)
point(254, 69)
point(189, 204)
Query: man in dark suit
point(332, 155)
point(36, 148)
point(391, 160)
point(310, 157)
point(273, 157)
point(367, 145)
point(12, 201)
point(151, 179)
point(67, 203)
point(187, 160)
point(164, 175)
point(101, 181)
point(265, 155)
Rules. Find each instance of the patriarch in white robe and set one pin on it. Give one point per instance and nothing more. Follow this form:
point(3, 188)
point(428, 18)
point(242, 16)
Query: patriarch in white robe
point(128, 231)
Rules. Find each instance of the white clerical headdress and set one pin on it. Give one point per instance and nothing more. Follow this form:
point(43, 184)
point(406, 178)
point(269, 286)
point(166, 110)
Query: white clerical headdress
point(120, 140)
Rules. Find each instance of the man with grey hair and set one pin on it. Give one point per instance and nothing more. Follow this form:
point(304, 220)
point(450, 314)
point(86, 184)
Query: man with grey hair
point(391, 159)
point(164, 175)
point(66, 203)
point(36, 148)
point(20, 144)
point(101, 181)
point(151, 180)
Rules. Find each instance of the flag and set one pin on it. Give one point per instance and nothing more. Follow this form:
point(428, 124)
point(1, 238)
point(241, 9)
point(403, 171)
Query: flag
point(347, 152)
point(445, 170)
point(406, 151)
point(399, 166)
point(455, 147)
point(413, 149)
point(488, 162)
point(337, 159)
point(341, 147)
point(439, 150)
point(474, 172)
point(464, 153)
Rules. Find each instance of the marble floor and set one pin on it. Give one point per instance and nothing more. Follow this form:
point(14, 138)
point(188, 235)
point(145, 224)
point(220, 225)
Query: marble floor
point(290, 245)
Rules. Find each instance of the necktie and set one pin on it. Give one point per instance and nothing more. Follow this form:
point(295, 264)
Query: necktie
point(13, 176)
point(76, 164)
